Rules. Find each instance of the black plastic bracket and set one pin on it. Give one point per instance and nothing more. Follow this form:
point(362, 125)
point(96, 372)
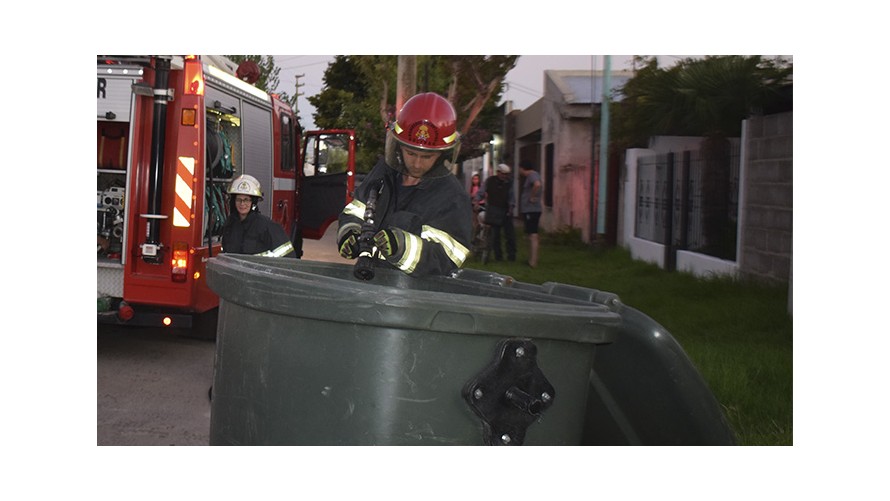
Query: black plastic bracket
point(510, 394)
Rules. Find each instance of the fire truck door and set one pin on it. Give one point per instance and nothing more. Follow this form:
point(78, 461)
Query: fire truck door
point(326, 180)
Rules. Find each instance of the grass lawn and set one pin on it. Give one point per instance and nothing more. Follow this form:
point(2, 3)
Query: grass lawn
point(738, 334)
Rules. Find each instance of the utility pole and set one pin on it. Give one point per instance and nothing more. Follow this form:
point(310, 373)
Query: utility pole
point(593, 163)
point(298, 93)
point(604, 147)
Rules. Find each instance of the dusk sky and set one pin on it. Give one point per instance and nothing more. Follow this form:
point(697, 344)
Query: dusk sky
point(524, 82)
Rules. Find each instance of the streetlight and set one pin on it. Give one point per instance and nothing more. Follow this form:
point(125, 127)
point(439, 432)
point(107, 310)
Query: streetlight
point(492, 148)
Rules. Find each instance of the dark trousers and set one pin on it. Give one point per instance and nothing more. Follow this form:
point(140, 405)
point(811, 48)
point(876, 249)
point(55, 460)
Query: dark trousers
point(510, 233)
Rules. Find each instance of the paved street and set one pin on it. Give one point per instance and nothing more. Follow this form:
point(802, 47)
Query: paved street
point(152, 384)
point(152, 387)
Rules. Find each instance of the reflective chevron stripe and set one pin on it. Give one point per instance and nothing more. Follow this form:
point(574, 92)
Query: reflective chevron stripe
point(185, 192)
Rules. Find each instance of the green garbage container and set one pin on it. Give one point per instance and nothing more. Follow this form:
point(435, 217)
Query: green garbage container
point(309, 355)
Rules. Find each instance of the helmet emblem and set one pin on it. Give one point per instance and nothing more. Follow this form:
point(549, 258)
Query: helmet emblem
point(423, 134)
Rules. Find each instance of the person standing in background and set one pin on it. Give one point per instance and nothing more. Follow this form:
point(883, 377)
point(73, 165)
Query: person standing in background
point(475, 184)
point(530, 208)
point(497, 191)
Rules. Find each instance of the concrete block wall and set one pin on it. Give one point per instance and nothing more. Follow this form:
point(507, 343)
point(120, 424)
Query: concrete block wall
point(766, 221)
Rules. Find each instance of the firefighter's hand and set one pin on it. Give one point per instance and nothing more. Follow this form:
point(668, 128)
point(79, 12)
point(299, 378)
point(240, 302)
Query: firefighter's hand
point(390, 242)
point(347, 242)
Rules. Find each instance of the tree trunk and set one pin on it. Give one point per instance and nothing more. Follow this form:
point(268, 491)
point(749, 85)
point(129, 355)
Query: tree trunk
point(406, 76)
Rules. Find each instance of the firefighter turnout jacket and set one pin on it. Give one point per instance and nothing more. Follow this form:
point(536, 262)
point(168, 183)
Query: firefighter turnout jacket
point(435, 214)
point(257, 235)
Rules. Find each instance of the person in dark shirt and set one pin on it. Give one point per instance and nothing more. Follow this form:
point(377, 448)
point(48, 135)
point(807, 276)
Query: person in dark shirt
point(497, 191)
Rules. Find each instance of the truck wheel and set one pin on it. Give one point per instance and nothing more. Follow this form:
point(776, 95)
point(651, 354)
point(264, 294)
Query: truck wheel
point(204, 325)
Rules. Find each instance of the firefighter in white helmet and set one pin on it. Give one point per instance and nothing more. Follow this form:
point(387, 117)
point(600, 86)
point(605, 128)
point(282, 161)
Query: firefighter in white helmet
point(246, 230)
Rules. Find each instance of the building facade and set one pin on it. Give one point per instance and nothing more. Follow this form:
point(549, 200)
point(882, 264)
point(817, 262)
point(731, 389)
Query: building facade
point(560, 135)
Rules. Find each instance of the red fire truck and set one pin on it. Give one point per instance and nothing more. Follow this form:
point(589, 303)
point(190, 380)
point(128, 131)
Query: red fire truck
point(172, 131)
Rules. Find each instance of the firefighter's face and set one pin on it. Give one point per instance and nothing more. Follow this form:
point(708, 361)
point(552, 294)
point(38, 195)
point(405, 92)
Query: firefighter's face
point(243, 203)
point(418, 162)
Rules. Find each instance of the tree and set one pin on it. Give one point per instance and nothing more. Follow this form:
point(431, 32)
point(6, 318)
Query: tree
point(268, 80)
point(697, 97)
point(359, 93)
point(348, 101)
point(475, 88)
point(474, 80)
point(707, 97)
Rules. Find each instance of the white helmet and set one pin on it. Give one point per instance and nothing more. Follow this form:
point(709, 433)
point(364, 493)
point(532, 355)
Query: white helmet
point(245, 185)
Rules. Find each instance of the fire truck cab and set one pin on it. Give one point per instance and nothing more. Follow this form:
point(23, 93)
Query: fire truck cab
point(172, 131)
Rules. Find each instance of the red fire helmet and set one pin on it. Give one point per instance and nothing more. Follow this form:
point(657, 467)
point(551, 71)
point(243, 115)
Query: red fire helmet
point(427, 121)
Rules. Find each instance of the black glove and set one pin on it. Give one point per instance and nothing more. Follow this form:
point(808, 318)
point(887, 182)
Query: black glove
point(347, 242)
point(391, 243)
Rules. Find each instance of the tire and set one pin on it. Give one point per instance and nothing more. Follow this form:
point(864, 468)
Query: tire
point(203, 326)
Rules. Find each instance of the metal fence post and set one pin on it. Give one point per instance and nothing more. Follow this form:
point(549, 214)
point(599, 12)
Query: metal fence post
point(670, 251)
point(684, 200)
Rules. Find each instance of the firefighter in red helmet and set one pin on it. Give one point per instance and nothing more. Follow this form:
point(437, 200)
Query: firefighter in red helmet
point(422, 213)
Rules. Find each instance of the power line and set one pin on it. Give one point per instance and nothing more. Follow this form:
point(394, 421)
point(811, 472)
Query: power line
point(290, 58)
point(520, 86)
point(326, 61)
point(522, 89)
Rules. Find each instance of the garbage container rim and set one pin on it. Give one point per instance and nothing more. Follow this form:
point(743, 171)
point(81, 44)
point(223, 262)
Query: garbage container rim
point(280, 287)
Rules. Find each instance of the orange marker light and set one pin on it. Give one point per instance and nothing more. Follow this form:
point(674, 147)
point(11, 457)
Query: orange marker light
point(188, 116)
